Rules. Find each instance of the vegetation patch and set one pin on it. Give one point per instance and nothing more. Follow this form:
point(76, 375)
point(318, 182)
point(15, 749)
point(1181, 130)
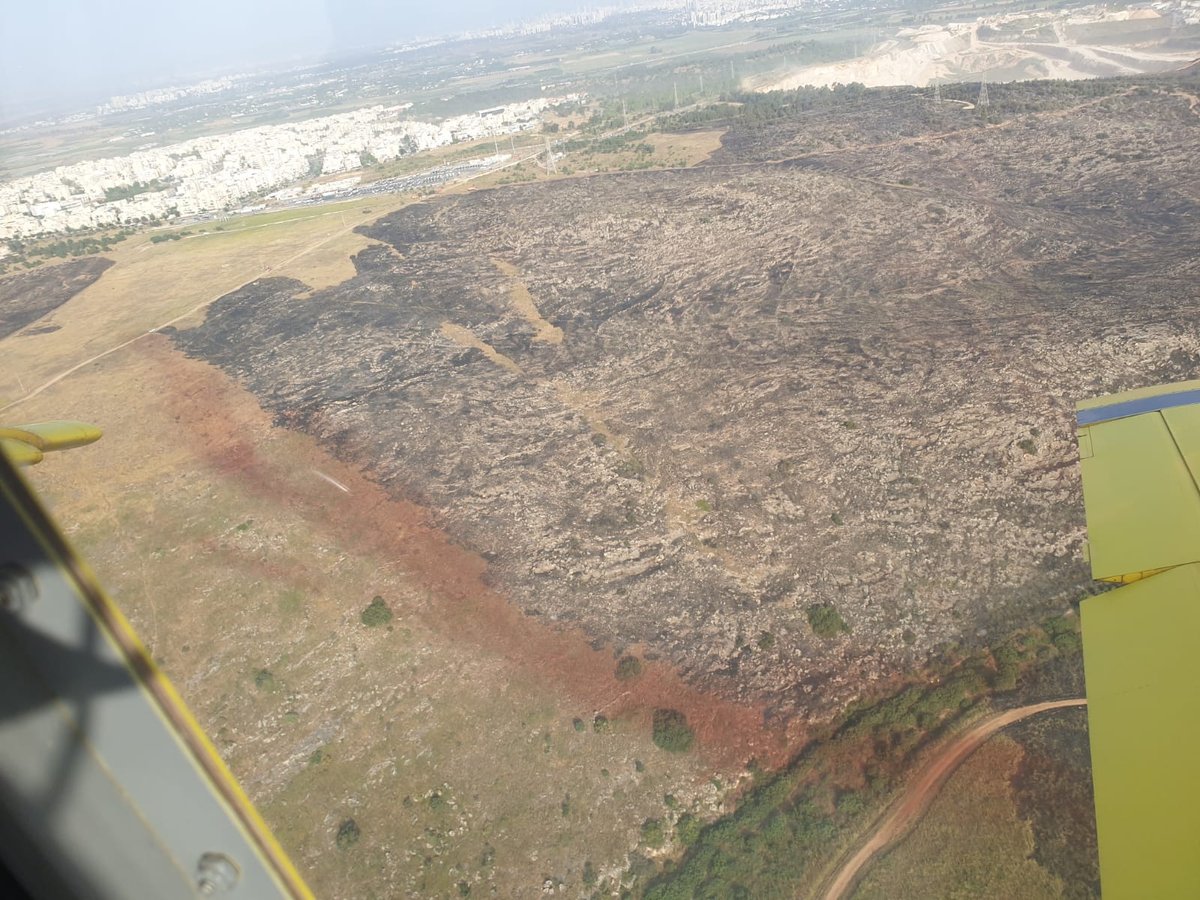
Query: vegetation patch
point(671, 731)
point(687, 829)
point(788, 825)
point(124, 192)
point(30, 252)
point(347, 834)
point(826, 621)
point(1053, 793)
point(653, 834)
point(628, 667)
point(376, 613)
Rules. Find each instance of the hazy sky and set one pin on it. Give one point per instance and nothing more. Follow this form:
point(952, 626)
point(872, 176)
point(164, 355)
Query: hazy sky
point(87, 48)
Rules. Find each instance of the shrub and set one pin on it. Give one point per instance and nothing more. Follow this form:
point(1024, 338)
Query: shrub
point(851, 803)
point(264, 680)
point(671, 731)
point(347, 834)
point(766, 641)
point(1067, 642)
point(687, 829)
point(825, 620)
point(377, 613)
point(652, 833)
point(600, 724)
point(628, 667)
point(589, 873)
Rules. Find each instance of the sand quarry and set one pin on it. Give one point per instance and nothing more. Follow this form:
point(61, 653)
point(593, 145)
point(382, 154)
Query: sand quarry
point(1083, 44)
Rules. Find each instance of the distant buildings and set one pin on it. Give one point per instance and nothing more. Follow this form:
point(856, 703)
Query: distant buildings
point(222, 172)
point(167, 95)
point(696, 13)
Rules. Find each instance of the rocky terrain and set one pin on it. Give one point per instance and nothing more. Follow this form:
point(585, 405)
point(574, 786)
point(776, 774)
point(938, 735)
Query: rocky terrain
point(27, 296)
point(685, 409)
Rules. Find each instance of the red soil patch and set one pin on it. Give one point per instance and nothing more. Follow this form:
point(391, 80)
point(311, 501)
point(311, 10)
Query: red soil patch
point(226, 424)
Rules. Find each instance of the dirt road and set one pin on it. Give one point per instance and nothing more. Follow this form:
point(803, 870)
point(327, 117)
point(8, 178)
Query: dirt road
point(920, 793)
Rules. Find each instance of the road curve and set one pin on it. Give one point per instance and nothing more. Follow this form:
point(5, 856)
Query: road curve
point(916, 799)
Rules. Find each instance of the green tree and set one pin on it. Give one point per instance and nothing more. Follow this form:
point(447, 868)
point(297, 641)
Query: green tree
point(653, 834)
point(628, 667)
point(347, 834)
point(687, 829)
point(671, 731)
point(376, 613)
point(826, 621)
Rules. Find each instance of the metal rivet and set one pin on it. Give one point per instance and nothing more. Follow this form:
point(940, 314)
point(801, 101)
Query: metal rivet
point(216, 873)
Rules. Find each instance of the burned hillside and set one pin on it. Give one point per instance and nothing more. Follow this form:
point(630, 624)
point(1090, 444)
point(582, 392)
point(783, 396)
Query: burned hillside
point(685, 409)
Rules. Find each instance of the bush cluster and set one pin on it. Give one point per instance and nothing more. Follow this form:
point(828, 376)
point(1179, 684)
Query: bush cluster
point(671, 731)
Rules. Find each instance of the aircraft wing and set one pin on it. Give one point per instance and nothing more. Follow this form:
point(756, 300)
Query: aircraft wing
point(108, 786)
point(27, 444)
point(1140, 459)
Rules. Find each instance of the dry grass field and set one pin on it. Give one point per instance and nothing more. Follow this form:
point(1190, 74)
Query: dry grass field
point(245, 555)
point(971, 843)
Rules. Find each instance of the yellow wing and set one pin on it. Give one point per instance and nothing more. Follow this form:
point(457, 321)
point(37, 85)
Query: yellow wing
point(1140, 458)
point(27, 444)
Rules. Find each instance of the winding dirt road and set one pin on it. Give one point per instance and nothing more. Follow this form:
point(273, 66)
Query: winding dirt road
point(916, 799)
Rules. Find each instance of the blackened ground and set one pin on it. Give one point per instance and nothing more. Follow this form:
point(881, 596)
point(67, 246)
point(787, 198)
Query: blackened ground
point(842, 379)
point(27, 296)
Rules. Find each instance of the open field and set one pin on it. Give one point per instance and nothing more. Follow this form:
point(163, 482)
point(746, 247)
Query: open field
point(971, 843)
point(244, 554)
point(924, 788)
point(151, 284)
point(633, 151)
point(1053, 791)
